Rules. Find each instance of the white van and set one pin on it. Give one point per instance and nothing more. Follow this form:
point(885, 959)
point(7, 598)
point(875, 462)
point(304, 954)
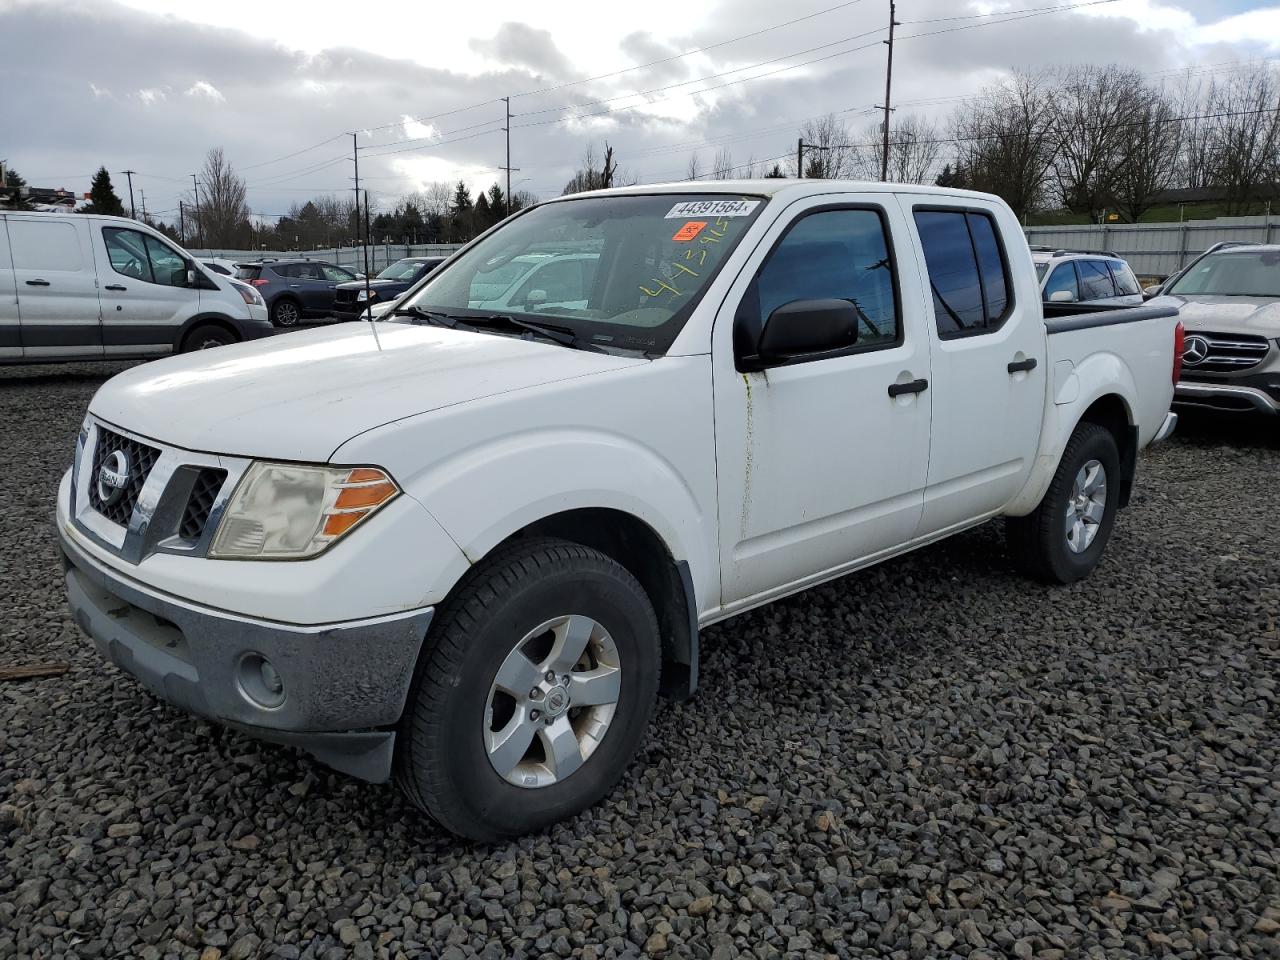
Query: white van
point(77, 287)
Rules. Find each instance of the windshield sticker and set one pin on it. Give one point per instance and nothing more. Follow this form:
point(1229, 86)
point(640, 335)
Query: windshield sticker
point(689, 231)
point(719, 208)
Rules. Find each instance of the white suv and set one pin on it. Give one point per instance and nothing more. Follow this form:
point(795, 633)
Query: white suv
point(76, 287)
point(1083, 276)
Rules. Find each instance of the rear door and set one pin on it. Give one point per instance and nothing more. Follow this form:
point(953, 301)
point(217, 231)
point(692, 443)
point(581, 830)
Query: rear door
point(1096, 285)
point(10, 331)
point(1128, 291)
point(53, 271)
point(313, 288)
point(988, 361)
point(145, 297)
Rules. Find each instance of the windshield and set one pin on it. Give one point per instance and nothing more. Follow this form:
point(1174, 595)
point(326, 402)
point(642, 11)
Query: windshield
point(1251, 274)
point(621, 271)
point(400, 270)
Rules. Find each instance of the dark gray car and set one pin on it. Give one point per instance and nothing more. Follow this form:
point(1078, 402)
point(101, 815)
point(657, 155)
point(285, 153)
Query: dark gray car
point(295, 289)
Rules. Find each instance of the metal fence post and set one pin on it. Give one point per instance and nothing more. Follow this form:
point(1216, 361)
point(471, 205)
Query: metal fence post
point(1182, 244)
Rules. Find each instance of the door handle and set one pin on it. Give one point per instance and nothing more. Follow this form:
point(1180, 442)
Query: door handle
point(1020, 366)
point(115, 286)
point(37, 283)
point(911, 386)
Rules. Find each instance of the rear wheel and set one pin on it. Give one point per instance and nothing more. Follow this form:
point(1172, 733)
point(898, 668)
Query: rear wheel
point(206, 337)
point(1063, 539)
point(533, 694)
point(286, 313)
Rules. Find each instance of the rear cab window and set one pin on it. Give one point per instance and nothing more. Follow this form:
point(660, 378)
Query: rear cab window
point(967, 269)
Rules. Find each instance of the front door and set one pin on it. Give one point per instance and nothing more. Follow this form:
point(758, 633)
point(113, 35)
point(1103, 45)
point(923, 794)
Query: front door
point(820, 464)
point(57, 286)
point(145, 296)
point(988, 363)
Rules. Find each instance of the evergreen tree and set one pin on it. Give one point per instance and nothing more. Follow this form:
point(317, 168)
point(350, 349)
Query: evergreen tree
point(102, 196)
point(775, 174)
point(460, 213)
point(497, 203)
point(482, 218)
point(950, 177)
point(11, 189)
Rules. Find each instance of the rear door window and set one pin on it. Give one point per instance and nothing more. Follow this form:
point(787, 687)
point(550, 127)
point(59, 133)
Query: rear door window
point(1062, 278)
point(968, 273)
point(1095, 280)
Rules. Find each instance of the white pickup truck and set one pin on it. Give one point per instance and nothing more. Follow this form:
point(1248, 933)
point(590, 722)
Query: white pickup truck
point(466, 548)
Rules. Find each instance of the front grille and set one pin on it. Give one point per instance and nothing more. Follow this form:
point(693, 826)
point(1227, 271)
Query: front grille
point(200, 504)
point(138, 461)
point(345, 296)
point(1226, 352)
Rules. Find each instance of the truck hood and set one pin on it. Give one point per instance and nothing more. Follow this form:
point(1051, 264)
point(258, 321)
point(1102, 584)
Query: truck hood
point(300, 396)
point(1257, 315)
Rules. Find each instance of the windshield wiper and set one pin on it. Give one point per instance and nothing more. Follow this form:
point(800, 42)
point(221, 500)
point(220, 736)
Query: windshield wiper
point(429, 316)
point(561, 335)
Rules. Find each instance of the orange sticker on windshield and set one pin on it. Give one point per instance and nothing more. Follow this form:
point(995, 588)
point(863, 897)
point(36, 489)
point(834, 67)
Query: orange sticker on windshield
point(689, 230)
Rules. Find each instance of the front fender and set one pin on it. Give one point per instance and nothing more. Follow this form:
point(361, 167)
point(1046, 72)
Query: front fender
point(1073, 392)
point(487, 492)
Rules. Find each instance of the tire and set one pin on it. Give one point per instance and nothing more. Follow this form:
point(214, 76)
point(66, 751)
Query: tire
point(286, 312)
point(207, 336)
point(1043, 544)
point(486, 638)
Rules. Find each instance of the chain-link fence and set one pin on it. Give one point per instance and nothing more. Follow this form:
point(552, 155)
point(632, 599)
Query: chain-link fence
point(381, 255)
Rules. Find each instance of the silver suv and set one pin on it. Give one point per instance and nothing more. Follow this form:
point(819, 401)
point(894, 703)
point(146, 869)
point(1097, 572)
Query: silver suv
point(1085, 276)
point(1229, 303)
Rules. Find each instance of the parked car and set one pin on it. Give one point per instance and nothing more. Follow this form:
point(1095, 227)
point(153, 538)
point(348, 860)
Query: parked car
point(295, 289)
point(1078, 276)
point(1229, 300)
point(354, 298)
point(77, 287)
point(228, 268)
point(561, 281)
point(468, 547)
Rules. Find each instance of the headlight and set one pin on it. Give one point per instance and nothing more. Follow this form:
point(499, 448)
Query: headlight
point(285, 511)
point(367, 295)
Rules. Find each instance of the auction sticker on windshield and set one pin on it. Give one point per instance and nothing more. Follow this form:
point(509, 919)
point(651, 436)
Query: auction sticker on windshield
point(689, 231)
point(712, 208)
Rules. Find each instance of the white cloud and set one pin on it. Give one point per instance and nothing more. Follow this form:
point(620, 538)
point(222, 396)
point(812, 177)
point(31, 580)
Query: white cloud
point(205, 89)
point(152, 95)
point(98, 92)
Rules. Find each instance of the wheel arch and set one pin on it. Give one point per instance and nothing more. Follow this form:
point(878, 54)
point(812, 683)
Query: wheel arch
point(207, 318)
point(637, 547)
point(1111, 412)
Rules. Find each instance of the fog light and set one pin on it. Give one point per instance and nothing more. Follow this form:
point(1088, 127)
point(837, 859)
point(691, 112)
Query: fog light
point(260, 681)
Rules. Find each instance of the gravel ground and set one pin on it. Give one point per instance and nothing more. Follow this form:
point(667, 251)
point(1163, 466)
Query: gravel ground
point(931, 759)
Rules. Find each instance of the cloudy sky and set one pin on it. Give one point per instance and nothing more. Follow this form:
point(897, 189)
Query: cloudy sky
point(151, 85)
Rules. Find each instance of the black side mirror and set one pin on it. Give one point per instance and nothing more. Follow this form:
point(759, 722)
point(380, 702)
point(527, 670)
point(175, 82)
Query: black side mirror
point(803, 329)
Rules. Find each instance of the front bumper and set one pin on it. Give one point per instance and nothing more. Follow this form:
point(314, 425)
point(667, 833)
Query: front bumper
point(1229, 397)
point(1167, 427)
point(344, 685)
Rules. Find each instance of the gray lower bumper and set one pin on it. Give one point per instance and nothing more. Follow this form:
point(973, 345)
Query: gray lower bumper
point(1224, 396)
point(344, 685)
point(1166, 428)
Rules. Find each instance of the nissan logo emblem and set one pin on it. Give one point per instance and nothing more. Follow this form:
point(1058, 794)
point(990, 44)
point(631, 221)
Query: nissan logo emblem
point(113, 477)
point(1195, 350)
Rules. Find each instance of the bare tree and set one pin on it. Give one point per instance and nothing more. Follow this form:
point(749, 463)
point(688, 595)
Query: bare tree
point(591, 178)
point(722, 165)
point(1004, 140)
point(828, 152)
point(1149, 147)
point(1246, 112)
point(692, 172)
point(914, 149)
point(1092, 109)
point(222, 213)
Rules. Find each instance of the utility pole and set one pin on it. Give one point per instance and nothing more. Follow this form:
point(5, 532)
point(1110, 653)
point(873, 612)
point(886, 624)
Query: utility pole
point(199, 219)
point(888, 94)
point(368, 297)
point(182, 224)
point(800, 157)
point(132, 212)
point(144, 206)
point(508, 168)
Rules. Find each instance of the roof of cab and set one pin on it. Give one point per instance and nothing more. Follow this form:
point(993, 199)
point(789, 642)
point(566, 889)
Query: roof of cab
point(771, 187)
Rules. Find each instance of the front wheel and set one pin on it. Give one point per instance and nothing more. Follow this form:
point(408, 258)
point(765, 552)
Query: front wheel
point(533, 693)
point(1063, 539)
point(206, 337)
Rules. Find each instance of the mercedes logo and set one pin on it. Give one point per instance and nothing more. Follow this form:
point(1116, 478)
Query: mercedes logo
point(113, 477)
point(1195, 350)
